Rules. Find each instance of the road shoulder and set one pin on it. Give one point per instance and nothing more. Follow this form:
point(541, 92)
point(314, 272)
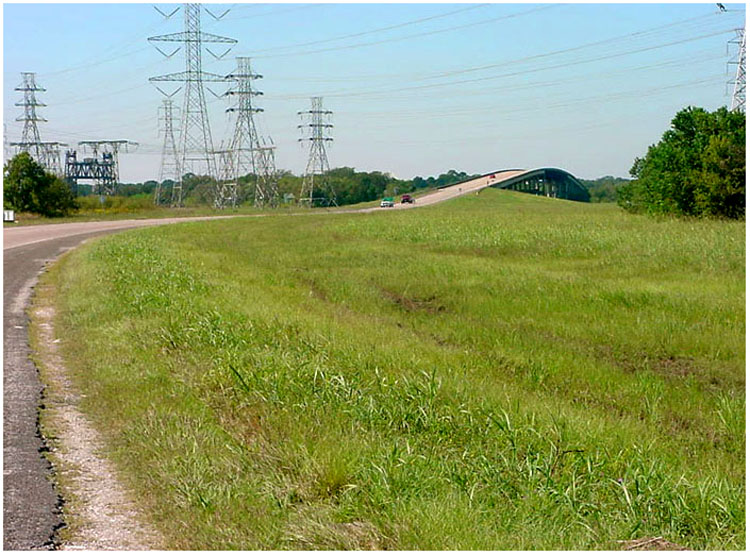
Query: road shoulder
point(100, 514)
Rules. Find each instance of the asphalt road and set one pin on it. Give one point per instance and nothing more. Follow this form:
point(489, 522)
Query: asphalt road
point(31, 512)
point(30, 504)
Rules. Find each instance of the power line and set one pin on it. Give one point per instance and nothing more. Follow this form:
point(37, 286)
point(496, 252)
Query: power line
point(378, 30)
point(418, 35)
point(370, 92)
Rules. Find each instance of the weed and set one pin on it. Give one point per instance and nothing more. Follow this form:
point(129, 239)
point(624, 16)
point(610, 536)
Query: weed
point(499, 372)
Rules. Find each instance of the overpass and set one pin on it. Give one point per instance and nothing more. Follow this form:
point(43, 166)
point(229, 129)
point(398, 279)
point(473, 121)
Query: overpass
point(549, 182)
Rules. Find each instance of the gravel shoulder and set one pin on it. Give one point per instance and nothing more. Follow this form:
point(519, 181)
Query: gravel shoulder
point(99, 513)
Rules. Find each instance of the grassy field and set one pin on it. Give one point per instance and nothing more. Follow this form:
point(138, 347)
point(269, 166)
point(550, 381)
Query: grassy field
point(498, 372)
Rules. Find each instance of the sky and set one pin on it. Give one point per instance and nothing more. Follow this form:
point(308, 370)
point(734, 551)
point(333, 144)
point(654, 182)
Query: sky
point(415, 89)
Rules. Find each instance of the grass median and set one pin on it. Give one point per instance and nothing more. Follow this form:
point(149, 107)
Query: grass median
point(497, 372)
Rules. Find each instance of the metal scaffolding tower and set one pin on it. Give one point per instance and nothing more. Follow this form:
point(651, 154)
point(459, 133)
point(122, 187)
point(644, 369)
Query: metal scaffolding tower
point(100, 171)
point(248, 152)
point(317, 163)
point(112, 149)
point(195, 151)
point(738, 94)
point(47, 154)
point(169, 168)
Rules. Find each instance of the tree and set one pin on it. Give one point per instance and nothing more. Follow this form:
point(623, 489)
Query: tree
point(28, 188)
point(604, 189)
point(697, 169)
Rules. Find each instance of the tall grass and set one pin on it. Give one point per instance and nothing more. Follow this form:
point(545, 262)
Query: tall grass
point(499, 372)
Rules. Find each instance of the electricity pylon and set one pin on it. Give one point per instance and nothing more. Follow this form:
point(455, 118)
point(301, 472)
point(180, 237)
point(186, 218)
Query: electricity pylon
point(46, 154)
point(248, 153)
point(195, 151)
point(169, 168)
point(738, 94)
point(317, 163)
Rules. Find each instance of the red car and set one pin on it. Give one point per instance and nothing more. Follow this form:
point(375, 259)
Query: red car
point(407, 199)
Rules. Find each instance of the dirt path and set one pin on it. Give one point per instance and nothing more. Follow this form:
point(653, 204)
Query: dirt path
point(99, 513)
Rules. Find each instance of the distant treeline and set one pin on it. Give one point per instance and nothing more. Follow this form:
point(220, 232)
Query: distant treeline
point(605, 188)
point(349, 185)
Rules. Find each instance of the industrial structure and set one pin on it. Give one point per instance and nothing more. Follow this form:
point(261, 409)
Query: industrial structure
point(100, 172)
point(104, 172)
point(195, 149)
point(317, 131)
point(47, 154)
point(110, 147)
point(169, 168)
point(738, 92)
point(248, 153)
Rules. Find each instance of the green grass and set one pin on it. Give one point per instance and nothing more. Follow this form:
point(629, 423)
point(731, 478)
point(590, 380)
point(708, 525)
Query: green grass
point(120, 209)
point(498, 372)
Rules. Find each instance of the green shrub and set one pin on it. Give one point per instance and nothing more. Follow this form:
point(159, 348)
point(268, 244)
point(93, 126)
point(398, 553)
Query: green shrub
point(697, 169)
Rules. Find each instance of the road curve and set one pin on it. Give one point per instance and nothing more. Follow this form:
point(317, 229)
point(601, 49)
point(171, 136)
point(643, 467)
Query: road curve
point(31, 512)
point(30, 504)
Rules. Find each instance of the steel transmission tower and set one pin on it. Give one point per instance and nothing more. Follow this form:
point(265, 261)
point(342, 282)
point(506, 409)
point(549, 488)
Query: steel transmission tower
point(47, 154)
point(317, 163)
point(6, 146)
point(195, 150)
point(169, 168)
point(248, 152)
point(738, 94)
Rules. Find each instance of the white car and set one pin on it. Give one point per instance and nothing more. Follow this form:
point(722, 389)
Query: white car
point(386, 203)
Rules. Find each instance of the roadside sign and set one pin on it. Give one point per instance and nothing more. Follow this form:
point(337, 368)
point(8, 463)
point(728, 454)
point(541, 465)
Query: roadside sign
point(9, 216)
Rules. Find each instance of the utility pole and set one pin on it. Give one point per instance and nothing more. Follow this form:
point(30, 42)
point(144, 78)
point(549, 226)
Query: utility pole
point(169, 168)
point(248, 153)
point(738, 94)
point(46, 154)
point(317, 163)
point(195, 151)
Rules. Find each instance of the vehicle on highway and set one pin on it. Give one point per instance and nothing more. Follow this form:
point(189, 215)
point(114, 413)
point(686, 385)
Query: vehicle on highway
point(387, 202)
point(407, 199)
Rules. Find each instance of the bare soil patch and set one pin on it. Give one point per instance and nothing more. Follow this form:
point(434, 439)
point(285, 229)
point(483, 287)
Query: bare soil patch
point(651, 544)
point(429, 304)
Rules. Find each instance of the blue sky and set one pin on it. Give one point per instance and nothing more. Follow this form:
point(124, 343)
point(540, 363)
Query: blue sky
point(416, 89)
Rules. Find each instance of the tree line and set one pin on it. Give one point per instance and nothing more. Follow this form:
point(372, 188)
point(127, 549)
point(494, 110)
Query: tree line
point(697, 169)
point(28, 187)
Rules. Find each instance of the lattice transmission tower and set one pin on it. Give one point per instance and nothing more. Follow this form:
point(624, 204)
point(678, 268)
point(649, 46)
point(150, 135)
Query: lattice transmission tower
point(195, 150)
point(169, 168)
point(317, 130)
point(45, 153)
point(738, 94)
point(248, 152)
point(6, 145)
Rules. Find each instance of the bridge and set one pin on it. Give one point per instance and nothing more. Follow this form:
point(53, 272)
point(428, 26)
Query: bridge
point(549, 182)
